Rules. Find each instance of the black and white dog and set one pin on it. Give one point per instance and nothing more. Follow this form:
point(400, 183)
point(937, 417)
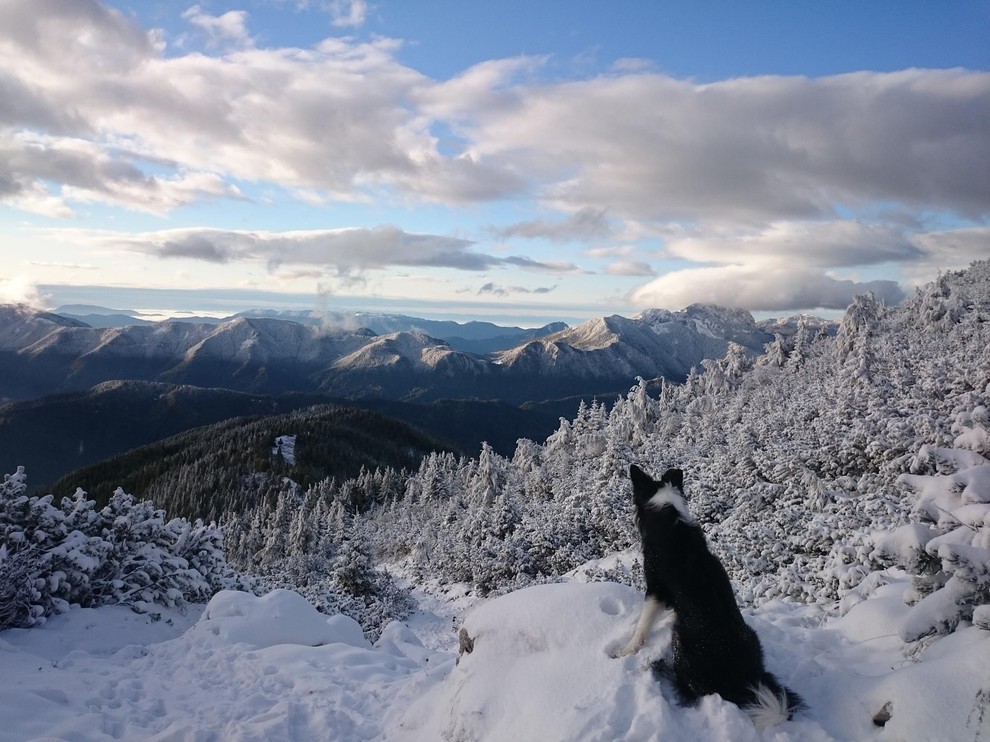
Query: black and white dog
point(714, 651)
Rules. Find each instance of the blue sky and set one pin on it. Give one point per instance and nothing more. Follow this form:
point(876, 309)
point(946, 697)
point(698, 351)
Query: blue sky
point(519, 162)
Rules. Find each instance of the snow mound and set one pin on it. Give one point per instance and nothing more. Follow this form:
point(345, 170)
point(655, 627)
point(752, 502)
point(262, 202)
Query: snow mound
point(280, 617)
point(862, 684)
point(246, 671)
point(541, 668)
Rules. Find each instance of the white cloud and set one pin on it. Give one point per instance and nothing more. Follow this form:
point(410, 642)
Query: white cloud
point(584, 225)
point(89, 172)
point(758, 288)
point(746, 175)
point(785, 265)
point(20, 289)
point(559, 267)
point(629, 268)
point(651, 147)
point(347, 121)
point(341, 250)
point(494, 289)
point(333, 119)
point(954, 248)
point(348, 13)
point(345, 251)
point(229, 28)
point(828, 244)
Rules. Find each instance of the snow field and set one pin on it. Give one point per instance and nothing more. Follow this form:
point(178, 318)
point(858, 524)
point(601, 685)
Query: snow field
point(268, 668)
point(542, 669)
point(271, 667)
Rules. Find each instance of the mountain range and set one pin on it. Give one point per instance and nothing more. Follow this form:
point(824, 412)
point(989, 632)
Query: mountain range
point(44, 353)
point(73, 393)
point(472, 337)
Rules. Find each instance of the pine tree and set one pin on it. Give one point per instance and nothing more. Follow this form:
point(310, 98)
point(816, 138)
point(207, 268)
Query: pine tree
point(775, 354)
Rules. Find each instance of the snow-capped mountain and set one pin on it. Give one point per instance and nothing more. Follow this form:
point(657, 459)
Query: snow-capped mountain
point(44, 353)
point(652, 344)
point(787, 326)
point(21, 326)
point(472, 337)
point(406, 365)
point(385, 324)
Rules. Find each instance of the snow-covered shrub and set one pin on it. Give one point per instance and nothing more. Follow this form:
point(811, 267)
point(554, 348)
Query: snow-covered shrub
point(125, 553)
point(956, 579)
point(946, 548)
point(308, 542)
point(20, 588)
point(376, 602)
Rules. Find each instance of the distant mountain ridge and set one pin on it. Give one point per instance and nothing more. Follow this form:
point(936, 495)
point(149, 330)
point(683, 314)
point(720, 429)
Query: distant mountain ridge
point(43, 353)
point(472, 337)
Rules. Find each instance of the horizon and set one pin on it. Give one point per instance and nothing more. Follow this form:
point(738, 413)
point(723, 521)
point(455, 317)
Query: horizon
point(509, 163)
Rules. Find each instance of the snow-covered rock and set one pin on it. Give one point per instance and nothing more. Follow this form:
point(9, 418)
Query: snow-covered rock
point(280, 617)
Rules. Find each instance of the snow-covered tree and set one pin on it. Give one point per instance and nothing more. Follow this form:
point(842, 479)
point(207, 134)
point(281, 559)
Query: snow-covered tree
point(776, 354)
point(127, 553)
point(947, 546)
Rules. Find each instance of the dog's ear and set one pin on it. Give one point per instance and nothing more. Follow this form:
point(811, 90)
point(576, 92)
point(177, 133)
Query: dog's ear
point(644, 487)
point(675, 478)
point(638, 475)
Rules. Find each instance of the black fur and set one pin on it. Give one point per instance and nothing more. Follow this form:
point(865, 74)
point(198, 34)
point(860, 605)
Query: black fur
point(714, 650)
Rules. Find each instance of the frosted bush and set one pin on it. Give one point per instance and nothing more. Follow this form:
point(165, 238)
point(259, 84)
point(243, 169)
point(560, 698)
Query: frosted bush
point(126, 553)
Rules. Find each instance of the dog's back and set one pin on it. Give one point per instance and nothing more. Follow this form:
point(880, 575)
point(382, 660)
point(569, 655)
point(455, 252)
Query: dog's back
point(714, 650)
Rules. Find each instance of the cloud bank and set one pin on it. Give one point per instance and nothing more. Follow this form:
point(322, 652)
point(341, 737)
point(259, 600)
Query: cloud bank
point(347, 119)
point(759, 289)
point(20, 289)
point(760, 189)
point(341, 251)
point(585, 225)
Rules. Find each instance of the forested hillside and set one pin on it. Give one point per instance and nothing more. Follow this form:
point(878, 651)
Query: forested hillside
point(83, 428)
point(215, 471)
point(815, 469)
point(793, 464)
point(80, 429)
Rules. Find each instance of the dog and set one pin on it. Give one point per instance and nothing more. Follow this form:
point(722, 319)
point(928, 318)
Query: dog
point(714, 650)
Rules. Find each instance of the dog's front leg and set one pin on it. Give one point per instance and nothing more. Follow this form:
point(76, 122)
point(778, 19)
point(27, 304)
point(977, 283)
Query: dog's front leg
point(651, 608)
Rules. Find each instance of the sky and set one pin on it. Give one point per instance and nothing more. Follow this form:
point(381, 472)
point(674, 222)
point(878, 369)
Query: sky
point(515, 161)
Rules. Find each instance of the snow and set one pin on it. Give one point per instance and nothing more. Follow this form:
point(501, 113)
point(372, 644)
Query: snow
point(280, 617)
point(251, 668)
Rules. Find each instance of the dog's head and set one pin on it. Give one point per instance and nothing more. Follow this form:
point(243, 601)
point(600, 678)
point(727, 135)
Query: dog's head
point(650, 494)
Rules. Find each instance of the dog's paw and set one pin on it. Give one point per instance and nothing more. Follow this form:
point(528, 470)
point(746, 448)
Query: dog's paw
point(625, 651)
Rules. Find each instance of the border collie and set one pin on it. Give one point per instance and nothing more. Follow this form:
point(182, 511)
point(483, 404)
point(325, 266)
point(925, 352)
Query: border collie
point(714, 651)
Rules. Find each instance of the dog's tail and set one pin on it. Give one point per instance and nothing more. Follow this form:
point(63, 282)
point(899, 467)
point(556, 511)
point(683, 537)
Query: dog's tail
point(772, 703)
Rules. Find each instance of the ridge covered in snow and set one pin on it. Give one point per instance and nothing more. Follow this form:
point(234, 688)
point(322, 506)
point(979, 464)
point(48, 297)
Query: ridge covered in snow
point(42, 354)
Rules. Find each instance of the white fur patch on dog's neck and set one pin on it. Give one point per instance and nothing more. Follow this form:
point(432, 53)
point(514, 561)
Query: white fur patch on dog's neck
point(669, 495)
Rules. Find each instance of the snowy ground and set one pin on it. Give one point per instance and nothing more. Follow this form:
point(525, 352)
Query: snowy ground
point(247, 668)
